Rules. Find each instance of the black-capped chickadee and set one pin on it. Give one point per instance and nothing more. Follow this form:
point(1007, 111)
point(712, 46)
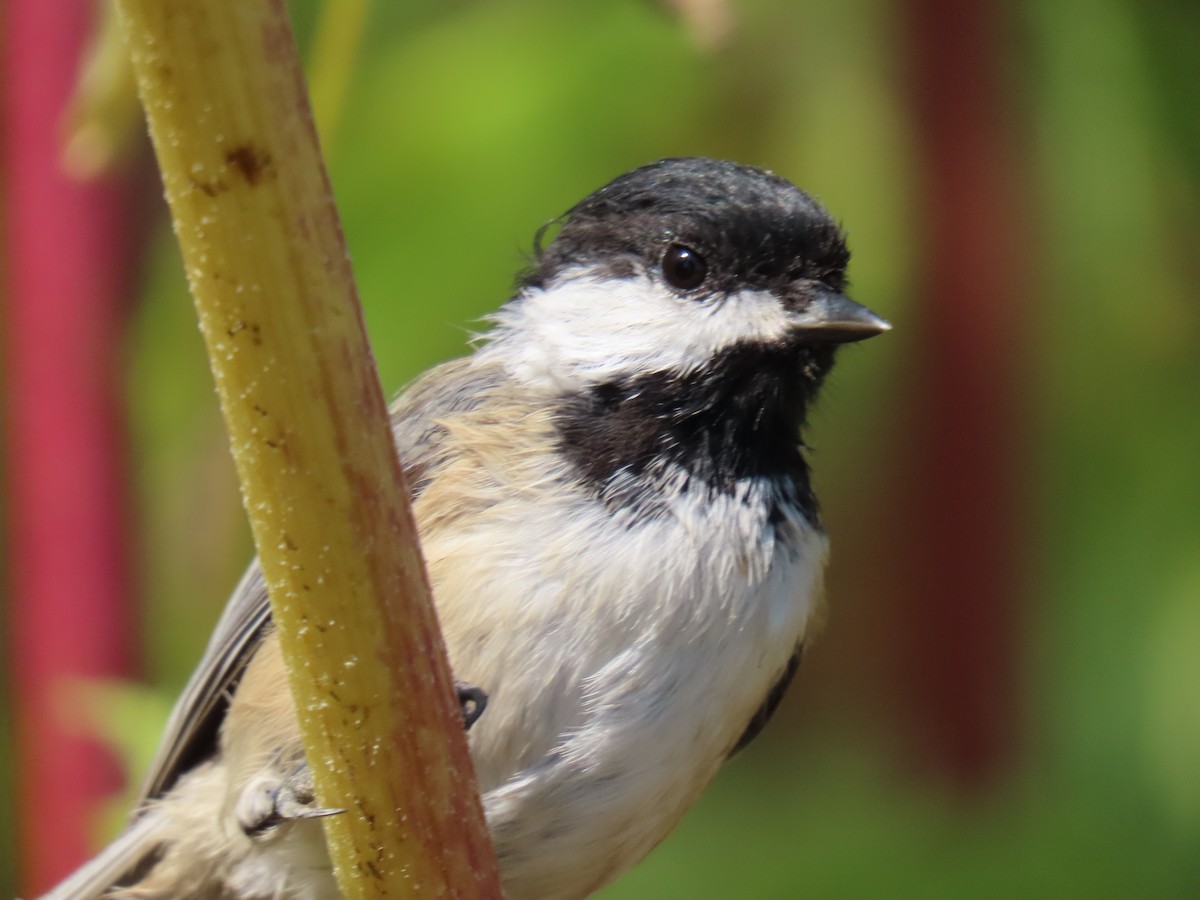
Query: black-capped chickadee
point(624, 546)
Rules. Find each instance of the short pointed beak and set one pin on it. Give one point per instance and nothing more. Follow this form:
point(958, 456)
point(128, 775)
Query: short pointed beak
point(834, 318)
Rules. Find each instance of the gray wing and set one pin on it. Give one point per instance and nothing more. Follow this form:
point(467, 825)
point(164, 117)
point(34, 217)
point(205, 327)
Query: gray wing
point(194, 725)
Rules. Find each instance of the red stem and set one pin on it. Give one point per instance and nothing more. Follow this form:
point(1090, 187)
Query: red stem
point(66, 247)
point(961, 502)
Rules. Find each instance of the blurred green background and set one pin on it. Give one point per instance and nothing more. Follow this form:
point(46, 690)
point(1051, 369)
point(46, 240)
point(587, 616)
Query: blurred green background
point(468, 125)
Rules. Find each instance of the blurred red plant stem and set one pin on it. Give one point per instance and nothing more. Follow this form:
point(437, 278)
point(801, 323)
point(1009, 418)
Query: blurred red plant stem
point(67, 248)
point(960, 502)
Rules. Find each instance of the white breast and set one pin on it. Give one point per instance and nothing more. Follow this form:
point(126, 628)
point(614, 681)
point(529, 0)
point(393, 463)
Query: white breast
point(623, 657)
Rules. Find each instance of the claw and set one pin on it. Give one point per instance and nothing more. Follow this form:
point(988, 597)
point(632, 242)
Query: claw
point(472, 701)
point(287, 808)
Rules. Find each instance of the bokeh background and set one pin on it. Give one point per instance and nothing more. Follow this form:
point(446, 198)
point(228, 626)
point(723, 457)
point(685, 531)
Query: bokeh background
point(1005, 699)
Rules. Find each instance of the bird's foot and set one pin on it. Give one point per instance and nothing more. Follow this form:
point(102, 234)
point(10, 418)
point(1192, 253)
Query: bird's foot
point(275, 797)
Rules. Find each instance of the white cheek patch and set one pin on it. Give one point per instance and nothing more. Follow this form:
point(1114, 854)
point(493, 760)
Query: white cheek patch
point(586, 330)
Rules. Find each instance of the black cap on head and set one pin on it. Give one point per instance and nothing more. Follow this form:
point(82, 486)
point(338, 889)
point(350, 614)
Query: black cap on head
point(751, 226)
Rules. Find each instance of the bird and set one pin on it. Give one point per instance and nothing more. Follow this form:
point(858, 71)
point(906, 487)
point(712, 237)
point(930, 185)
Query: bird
point(614, 501)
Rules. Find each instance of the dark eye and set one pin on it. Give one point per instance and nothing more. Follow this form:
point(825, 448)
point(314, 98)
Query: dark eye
point(683, 267)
